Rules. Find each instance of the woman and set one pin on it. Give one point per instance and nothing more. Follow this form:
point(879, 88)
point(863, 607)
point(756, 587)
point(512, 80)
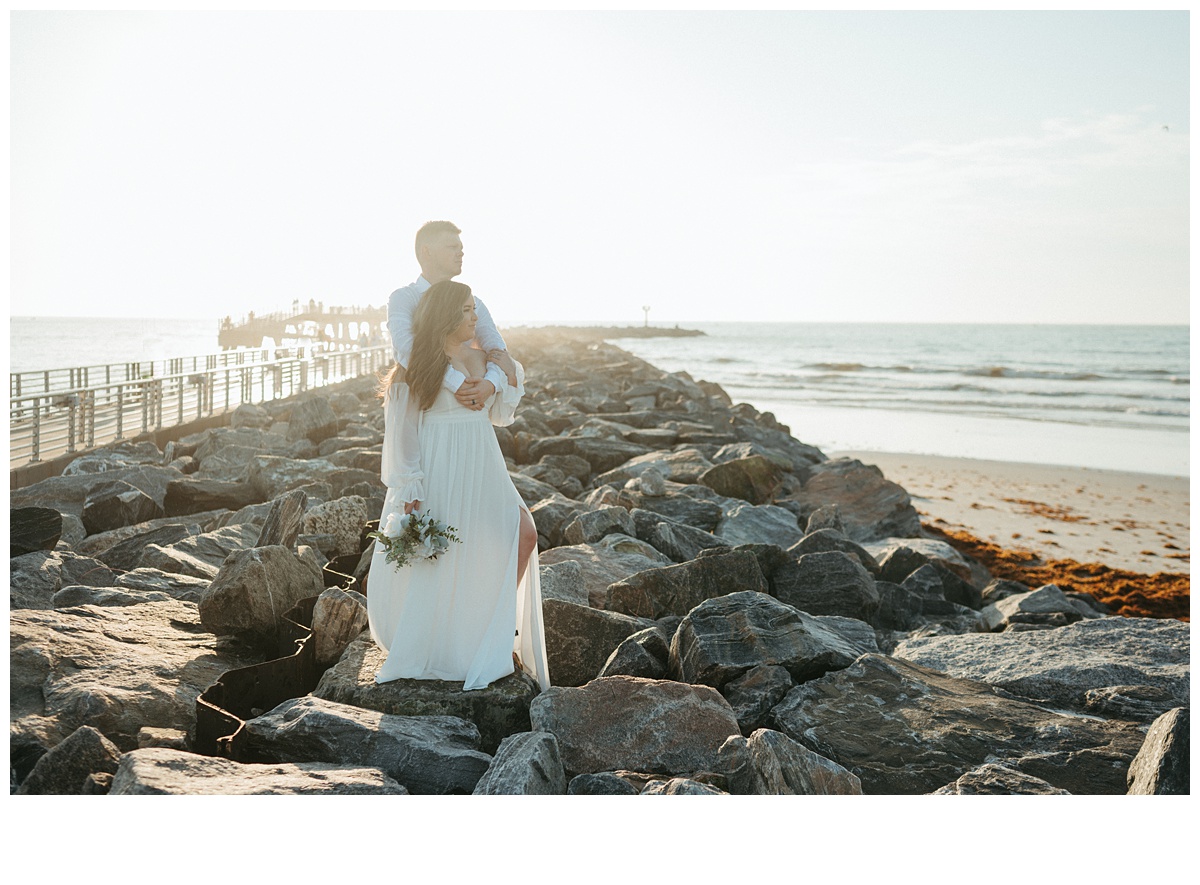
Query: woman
point(469, 615)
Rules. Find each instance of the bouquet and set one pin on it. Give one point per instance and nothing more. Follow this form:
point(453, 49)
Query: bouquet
point(414, 537)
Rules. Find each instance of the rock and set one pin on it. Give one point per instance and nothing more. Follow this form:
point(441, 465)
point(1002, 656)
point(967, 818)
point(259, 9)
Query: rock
point(601, 453)
point(870, 506)
point(681, 786)
point(530, 489)
point(611, 559)
point(647, 725)
point(255, 587)
point(115, 457)
point(904, 556)
point(916, 605)
point(828, 584)
point(604, 783)
point(525, 764)
point(78, 594)
point(829, 540)
point(765, 524)
point(431, 755)
point(63, 770)
point(170, 738)
point(752, 695)
point(250, 415)
point(67, 494)
point(1162, 766)
point(769, 763)
point(551, 515)
point(992, 779)
point(825, 518)
point(197, 494)
point(755, 479)
point(652, 482)
point(200, 556)
point(587, 527)
point(343, 518)
point(94, 545)
point(34, 578)
point(935, 580)
point(125, 555)
point(720, 639)
point(152, 580)
point(643, 654)
point(116, 669)
point(282, 524)
point(563, 581)
point(312, 418)
point(159, 772)
point(269, 476)
point(677, 541)
point(33, 528)
point(1141, 703)
point(499, 710)
point(1059, 667)
point(906, 729)
point(117, 504)
point(1037, 607)
point(684, 465)
point(338, 618)
point(677, 589)
point(675, 506)
point(227, 464)
point(73, 532)
point(580, 639)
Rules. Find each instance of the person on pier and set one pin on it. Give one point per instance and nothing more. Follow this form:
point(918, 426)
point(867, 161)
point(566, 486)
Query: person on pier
point(440, 253)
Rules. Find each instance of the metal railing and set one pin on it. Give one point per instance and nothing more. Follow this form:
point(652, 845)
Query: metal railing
point(50, 423)
point(78, 377)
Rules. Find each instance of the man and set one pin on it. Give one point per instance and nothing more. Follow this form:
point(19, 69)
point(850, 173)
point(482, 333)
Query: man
point(440, 253)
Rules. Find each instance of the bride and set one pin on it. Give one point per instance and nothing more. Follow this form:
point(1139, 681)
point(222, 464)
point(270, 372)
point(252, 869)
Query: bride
point(475, 613)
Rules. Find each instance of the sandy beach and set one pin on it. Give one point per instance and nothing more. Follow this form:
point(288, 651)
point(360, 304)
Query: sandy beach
point(1133, 521)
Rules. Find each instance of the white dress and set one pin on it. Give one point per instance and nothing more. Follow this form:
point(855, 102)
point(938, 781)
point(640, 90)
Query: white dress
point(460, 617)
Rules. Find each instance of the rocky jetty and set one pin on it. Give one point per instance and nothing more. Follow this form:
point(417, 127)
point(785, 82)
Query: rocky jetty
point(727, 610)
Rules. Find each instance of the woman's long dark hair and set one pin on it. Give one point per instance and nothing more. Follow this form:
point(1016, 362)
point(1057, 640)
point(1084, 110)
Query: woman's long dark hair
point(437, 315)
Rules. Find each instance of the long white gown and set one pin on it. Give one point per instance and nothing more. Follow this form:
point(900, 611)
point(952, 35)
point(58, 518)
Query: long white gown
point(460, 617)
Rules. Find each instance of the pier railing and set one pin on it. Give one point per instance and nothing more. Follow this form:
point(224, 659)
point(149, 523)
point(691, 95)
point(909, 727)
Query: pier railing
point(58, 418)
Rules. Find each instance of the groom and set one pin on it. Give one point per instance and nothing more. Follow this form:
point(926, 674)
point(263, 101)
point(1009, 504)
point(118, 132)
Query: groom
point(440, 254)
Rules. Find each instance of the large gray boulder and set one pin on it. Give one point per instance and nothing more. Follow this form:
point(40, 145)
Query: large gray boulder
point(271, 475)
point(64, 770)
point(526, 764)
point(994, 779)
point(642, 654)
point(1047, 606)
point(285, 516)
point(427, 754)
point(1060, 667)
point(125, 555)
point(34, 578)
point(1163, 765)
point(563, 581)
point(829, 540)
point(150, 580)
point(828, 584)
point(312, 418)
point(255, 587)
point(871, 507)
point(338, 619)
point(720, 639)
point(907, 729)
point(163, 772)
point(344, 518)
point(33, 528)
point(611, 559)
point(115, 504)
point(677, 589)
point(116, 669)
point(497, 711)
point(754, 478)
point(67, 494)
point(674, 539)
point(769, 763)
point(200, 556)
point(579, 639)
point(755, 692)
point(763, 524)
point(621, 722)
point(675, 506)
point(590, 526)
point(194, 494)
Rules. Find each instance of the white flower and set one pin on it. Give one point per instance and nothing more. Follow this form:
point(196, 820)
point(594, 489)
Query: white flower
point(392, 526)
point(424, 550)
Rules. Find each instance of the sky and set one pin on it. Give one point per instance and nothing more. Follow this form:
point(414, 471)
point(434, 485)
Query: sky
point(774, 166)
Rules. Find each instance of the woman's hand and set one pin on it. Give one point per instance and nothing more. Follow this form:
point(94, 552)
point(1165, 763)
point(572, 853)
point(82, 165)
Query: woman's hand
point(411, 506)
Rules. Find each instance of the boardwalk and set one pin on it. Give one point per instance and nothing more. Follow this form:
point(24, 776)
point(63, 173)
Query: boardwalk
point(66, 410)
point(315, 322)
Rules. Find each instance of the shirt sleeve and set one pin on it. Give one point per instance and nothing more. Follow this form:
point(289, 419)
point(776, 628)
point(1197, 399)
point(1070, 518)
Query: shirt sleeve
point(401, 469)
point(400, 316)
point(504, 407)
point(486, 332)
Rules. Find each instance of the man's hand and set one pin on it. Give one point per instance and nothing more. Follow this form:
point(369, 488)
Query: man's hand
point(502, 359)
point(474, 393)
point(411, 506)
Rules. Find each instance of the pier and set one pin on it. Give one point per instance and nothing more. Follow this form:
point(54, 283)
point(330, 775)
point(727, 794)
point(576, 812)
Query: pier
point(314, 322)
point(63, 411)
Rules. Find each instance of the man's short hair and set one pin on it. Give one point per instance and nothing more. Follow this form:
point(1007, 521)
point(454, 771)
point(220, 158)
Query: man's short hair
point(431, 229)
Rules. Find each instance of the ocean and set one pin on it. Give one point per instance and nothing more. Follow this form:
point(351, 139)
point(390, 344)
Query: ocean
point(1105, 397)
